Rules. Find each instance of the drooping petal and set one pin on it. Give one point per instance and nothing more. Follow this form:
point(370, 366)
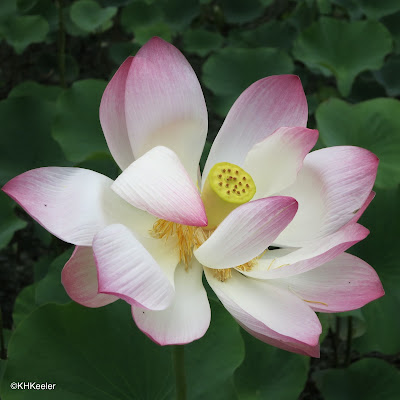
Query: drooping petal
point(343, 284)
point(165, 105)
point(297, 347)
point(332, 186)
point(127, 270)
point(275, 162)
point(158, 183)
point(265, 106)
point(280, 263)
point(268, 310)
point(79, 277)
point(73, 203)
point(186, 319)
point(246, 232)
point(112, 117)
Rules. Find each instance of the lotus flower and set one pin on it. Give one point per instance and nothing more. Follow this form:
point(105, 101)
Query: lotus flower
point(148, 236)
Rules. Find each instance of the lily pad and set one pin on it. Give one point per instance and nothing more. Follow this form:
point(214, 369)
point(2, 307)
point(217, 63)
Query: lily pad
point(270, 373)
point(24, 304)
point(99, 353)
point(201, 41)
point(145, 20)
point(215, 357)
point(76, 125)
point(25, 5)
point(178, 14)
point(120, 51)
point(338, 48)
point(279, 34)
point(9, 222)
point(373, 124)
point(21, 31)
point(138, 14)
point(32, 88)
point(392, 23)
point(238, 11)
point(50, 288)
point(145, 33)
point(377, 9)
point(379, 249)
point(388, 76)
point(367, 379)
point(90, 16)
point(26, 141)
point(245, 67)
point(8, 8)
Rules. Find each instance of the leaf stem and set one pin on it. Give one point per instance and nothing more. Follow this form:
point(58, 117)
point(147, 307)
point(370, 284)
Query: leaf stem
point(61, 44)
point(336, 341)
point(178, 355)
point(349, 339)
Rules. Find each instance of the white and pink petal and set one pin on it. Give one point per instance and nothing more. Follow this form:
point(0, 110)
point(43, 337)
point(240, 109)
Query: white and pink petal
point(73, 203)
point(158, 183)
point(282, 343)
point(332, 186)
point(112, 117)
point(164, 104)
point(275, 162)
point(343, 284)
point(269, 311)
point(79, 277)
point(246, 232)
point(188, 316)
point(282, 263)
point(127, 270)
point(265, 106)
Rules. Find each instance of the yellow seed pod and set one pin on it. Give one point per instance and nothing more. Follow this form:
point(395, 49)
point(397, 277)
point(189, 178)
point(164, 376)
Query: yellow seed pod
point(227, 186)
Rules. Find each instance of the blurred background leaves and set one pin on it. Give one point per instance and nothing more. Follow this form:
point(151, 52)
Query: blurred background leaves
point(57, 57)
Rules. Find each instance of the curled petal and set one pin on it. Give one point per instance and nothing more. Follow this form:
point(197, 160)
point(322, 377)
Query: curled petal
point(293, 347)
point(282, 263)
point(158, 183)
point(246, 232)
point(332, 186)
point(268, 310)
point(79, 277)
point(127, 270)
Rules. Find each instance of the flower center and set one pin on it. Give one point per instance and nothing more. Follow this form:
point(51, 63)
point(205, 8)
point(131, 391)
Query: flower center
point(227, 186)
point(188, 238)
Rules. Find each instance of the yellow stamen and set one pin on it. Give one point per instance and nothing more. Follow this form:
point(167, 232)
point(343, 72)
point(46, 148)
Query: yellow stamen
point(249, 265)
point(188, 237)
point(221, 195)
point(222, 274)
